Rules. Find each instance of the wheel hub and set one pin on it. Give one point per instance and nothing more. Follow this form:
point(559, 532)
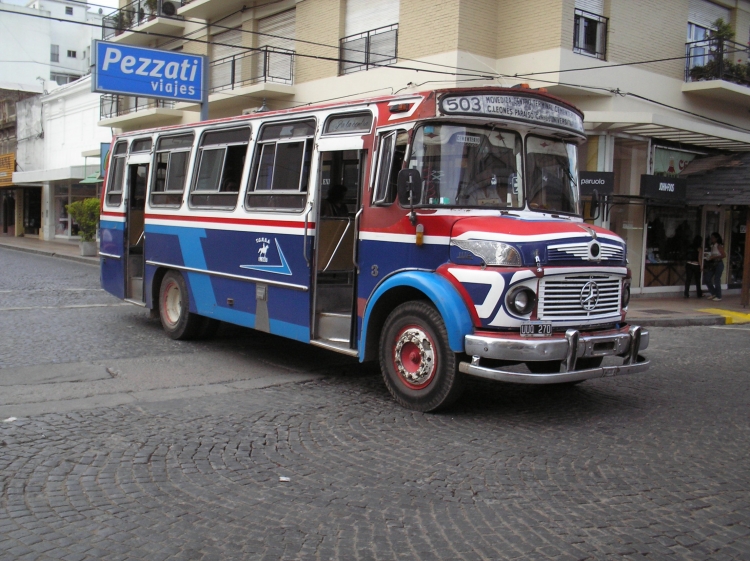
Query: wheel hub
point(173, 304)
point(414, 356)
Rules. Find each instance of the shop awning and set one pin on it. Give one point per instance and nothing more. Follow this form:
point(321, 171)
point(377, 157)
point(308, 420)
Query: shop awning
point(668, 127)
point(718, 180)
point(92, 179)
point(73, 173)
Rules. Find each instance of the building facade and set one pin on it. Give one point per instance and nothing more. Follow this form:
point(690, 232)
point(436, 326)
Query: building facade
point(661, 82)
point(45, 43)
point(57, 162)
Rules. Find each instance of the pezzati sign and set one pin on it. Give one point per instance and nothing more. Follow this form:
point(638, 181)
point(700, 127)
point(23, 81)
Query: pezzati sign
point(602, 181)
point(137, 71)
point(664, 188)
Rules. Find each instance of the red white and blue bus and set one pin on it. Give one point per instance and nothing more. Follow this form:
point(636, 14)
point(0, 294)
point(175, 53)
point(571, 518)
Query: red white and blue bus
point(440, 233)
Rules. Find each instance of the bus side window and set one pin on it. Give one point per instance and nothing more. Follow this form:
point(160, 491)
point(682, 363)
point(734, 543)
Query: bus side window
point(281, 170)
point(116, 175)
point(391, 160)
point(221, 159)
point(170, 171)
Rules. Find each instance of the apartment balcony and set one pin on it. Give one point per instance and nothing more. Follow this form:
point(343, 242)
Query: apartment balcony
point(132, 113)
point(130, 23)
point(718, 69)
point(210, 9)
point(267, 72)
point(368, 50)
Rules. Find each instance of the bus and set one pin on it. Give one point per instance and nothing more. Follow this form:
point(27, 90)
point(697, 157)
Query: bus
point(440, 233)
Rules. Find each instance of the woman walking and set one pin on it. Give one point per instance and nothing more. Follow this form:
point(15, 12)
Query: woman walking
point(715, 267)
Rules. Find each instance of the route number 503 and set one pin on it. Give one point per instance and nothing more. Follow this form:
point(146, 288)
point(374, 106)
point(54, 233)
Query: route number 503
point(454, 104)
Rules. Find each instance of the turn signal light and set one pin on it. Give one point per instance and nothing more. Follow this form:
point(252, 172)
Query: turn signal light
point(400, 107)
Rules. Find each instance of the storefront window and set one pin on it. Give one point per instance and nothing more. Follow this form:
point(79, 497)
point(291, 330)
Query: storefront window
point(669, 236)
point(736, 252)
point(65, 227)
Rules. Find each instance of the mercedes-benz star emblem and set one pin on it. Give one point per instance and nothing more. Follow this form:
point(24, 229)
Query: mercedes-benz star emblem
point(589, 296)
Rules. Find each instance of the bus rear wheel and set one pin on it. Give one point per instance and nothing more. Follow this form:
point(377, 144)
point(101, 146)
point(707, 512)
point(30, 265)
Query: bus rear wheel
point(418, 366)
point(174, 308)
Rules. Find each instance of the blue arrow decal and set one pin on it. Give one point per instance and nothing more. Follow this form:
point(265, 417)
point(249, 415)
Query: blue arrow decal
point(282, 269)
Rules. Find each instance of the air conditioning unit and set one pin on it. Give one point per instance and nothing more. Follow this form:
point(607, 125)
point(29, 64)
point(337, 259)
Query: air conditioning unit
point(169, 8)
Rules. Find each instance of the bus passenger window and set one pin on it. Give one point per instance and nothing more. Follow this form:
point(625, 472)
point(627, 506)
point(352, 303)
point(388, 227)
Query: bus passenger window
point(282, 167)
point(117, 175)
point(221, 159)
point(391, 160)
point(170, 171)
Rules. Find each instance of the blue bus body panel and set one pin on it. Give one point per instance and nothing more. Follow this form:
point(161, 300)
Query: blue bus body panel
point(272, 257)
point(443, 295)
point(112, 271)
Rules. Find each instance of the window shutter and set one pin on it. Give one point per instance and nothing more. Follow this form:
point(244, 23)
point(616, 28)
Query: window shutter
point(705, 13)
point(366, 15)
point(221, 74)
point(593, 6)
point(282, 27)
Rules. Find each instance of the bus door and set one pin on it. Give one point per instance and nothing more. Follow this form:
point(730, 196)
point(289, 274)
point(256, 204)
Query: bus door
point(338, 197)
point(134, 238)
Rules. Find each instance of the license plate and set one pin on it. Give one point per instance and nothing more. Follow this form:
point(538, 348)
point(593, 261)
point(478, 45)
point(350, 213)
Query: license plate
point(536, 329)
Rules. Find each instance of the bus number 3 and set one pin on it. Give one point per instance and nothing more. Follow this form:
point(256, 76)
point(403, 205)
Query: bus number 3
point(374, 271)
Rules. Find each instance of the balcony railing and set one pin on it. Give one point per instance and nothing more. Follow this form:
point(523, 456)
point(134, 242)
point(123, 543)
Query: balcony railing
point(137, 13)
point(717, 59)
point(370, 49)
point(119, 105)
point(267, 64)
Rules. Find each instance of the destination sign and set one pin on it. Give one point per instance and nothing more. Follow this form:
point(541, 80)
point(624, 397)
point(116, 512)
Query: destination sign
point(515, 107)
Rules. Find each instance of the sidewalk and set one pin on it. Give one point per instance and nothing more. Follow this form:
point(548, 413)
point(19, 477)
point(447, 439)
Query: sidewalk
point(662, 311)
point(63, 250)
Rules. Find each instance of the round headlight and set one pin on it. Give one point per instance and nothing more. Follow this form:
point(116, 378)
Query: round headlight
point(625, 295)
point(521, 300)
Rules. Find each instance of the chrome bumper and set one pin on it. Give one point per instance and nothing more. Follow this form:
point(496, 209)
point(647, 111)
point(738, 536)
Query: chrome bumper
point(626, 344)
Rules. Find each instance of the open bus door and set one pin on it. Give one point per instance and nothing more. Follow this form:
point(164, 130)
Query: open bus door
point(339, 188)
point(134, 238)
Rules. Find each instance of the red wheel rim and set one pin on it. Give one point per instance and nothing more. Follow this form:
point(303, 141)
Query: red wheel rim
point(414, 357)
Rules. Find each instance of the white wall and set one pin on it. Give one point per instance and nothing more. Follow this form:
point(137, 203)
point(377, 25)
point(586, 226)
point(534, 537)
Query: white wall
point(25, 40)
point(70, 116)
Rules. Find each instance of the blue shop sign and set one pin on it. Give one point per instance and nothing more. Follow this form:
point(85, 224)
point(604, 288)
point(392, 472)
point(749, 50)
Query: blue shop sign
point(137, 71)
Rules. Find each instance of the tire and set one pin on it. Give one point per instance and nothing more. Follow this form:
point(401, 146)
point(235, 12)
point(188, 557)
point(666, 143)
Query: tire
point(174, 308)
point(543, 366)
point(418, 366)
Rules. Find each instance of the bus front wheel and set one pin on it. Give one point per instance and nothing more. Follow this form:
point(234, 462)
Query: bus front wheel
point(174, 308)
point(417, 363)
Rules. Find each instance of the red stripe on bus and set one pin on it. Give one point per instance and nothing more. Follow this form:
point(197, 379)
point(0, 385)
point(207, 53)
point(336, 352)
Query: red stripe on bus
point(245, 221)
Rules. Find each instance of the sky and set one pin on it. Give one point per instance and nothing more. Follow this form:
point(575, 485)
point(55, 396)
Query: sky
point(94, 3)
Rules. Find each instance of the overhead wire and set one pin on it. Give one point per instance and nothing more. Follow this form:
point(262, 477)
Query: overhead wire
point(469, 74)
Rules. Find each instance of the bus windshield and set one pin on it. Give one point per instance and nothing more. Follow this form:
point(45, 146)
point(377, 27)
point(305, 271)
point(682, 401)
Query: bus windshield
point(468, 166)
point(551, 177)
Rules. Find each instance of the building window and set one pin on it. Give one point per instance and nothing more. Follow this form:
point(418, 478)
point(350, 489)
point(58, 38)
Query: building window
point(54, 53)
point(68, 11)
point(72, 54)
point(62, 79)
point(369, 49)
point(590, 34)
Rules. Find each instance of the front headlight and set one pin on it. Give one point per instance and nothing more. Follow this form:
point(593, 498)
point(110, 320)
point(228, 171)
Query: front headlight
point(492, 253)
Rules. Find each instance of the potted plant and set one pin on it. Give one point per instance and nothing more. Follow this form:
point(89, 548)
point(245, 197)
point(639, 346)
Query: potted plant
point(86, 215)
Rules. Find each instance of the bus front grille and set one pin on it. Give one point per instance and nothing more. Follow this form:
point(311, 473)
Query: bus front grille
point(579, 296)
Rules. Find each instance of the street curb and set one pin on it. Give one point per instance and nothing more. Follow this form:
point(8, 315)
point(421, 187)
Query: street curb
point(690, 321)
point(84, 260)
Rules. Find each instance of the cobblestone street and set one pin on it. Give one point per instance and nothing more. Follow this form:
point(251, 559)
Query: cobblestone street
point(651, 466)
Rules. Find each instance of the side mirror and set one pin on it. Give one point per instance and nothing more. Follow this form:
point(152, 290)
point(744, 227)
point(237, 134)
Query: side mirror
point(409, 185)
